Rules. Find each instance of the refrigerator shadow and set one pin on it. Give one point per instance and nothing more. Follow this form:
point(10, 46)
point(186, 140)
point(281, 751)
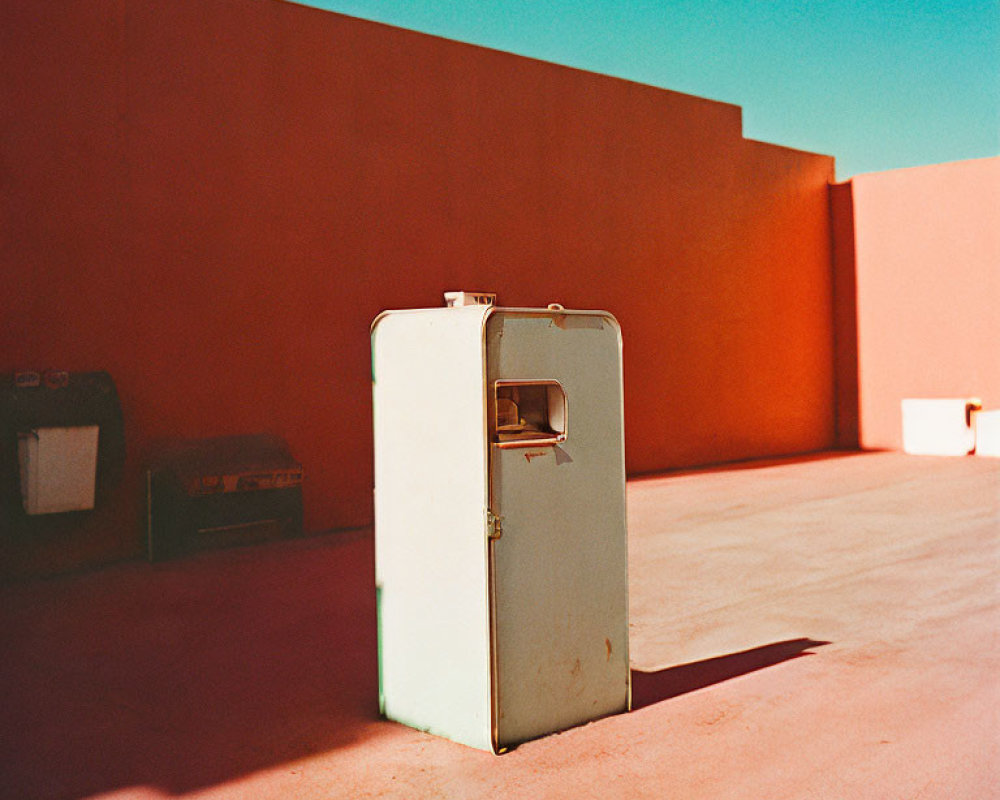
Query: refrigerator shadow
point(652, 687)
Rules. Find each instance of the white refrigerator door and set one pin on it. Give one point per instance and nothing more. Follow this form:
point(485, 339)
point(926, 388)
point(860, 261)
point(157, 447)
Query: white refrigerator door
point(560, 581)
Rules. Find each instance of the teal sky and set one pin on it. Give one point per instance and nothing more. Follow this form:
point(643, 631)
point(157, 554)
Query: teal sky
point(879, 84)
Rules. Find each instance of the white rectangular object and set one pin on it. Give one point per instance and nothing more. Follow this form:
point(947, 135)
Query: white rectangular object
point(58, 469)
point(939, 426)
point(987, 425)
point(500, 558)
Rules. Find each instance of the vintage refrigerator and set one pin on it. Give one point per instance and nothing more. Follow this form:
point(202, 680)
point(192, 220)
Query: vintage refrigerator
point(500, 534)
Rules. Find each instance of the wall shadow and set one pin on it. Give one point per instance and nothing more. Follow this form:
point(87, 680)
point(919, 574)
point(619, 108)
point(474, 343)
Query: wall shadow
point(188, 673)
point(762, 462)
point(652, 687)
point(844, 281)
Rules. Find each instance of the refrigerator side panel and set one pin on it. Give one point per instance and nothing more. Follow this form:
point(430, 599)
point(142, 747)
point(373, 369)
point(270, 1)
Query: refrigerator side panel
point(431, 554)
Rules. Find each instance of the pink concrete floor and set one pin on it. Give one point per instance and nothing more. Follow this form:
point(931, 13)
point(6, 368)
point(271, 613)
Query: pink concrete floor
point(824, 628)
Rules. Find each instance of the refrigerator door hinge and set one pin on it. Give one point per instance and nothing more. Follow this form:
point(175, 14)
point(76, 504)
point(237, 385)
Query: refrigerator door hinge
point(494, 525)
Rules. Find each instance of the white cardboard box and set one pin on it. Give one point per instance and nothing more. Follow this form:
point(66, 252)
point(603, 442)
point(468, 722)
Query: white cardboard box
point(939, 426)
point(58, 469)
point(987, 424)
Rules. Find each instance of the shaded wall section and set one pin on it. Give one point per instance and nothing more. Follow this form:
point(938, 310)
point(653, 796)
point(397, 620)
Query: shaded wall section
point(927, 259)
point(845, 315)
point(211, 199)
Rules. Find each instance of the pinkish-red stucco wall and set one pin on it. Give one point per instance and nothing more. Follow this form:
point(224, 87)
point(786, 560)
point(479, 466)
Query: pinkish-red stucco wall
point(927, 258)
point(211, 199)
